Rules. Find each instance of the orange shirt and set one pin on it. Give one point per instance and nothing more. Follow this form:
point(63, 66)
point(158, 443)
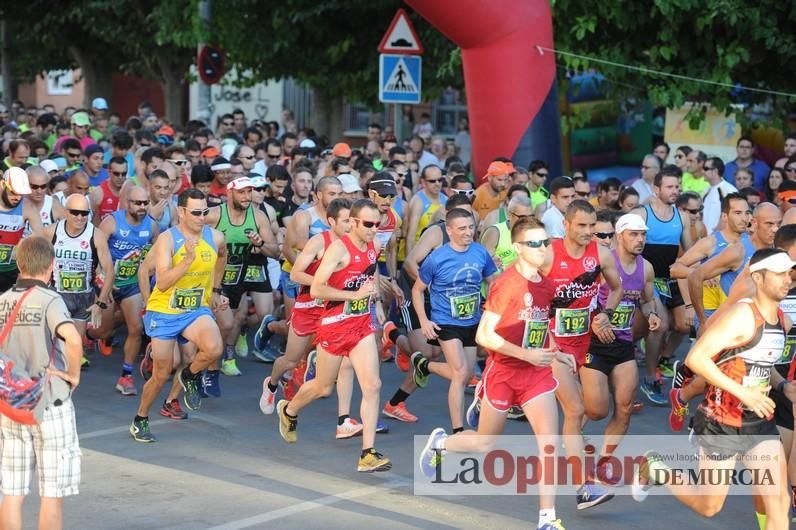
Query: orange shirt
point(484, 202)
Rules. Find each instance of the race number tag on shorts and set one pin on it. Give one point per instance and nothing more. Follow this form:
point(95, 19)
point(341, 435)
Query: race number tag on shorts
point(463, 307)
point(622, 318)
point(126, 269)
point(187, 299)
point(357, 307)
point(254, 273)
point(6, 254)
point(572, 322)
point(535, 333)
point(72, 282)
point(762, 380)
point(232, 274)
point(662, 286)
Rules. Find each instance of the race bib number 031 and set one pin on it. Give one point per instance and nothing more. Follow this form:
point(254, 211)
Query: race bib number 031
point(535, 333)
point(572, 322)
point(465, 306)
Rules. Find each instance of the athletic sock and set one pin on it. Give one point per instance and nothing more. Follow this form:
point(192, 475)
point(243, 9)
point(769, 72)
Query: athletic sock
point(399, 397)
point(141, 418)
point(394, 335)
point(188, 374)
point(127, 369)
point(458, 429)
point(341, 419)
point(546, 516)
point(365, 452)
point(229, 352)
point(271, 386)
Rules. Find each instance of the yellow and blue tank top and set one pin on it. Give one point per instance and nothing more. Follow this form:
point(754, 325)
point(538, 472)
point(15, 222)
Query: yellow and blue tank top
point(194, 289)
point(429, 208)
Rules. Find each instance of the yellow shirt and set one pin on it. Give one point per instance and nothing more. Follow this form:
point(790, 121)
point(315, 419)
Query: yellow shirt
point(194, 288)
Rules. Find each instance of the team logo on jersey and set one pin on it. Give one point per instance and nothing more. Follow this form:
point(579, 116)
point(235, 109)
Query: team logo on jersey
point(372, 256)
point(206, 255)
point(84, 244)
point(563, 265)
point(44, 216)
point(356, 259)
point(589, 263)
point(124, 233)
point(528, 300)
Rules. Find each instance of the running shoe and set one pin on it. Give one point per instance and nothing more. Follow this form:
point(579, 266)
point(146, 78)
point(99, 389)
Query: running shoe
point(679, 412)
point(230, 367)
point(267, 398)
point(419, 369)
point(515, 413)
point(431, 455)
point(474, 410)
point(386, 343)
point(470, 388)
point(555, 525)
point(399, 412)
point(211, 383)
point(348, 429)
point(263, 334)
point(172, 409)
point(373, 461)
point(654, 392)
point(146, 365)
point(191, 397)
point(402, 360)
point(140, 432)
point(382, 428)
point(267, 355)
point(105, 347)
point(665, 365)
point(638, 406)
point(645, 478)
point(289, 388)
point(312, 361)
point(591, 495)
point(300, 372)
point(85, 364)
point(242, 344)
point(681, 378)
point(126, 386)
point(287, 425)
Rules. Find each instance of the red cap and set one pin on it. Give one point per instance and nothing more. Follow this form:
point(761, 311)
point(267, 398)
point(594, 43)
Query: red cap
point(166, 131)
point(498, 168)
point(341, 149)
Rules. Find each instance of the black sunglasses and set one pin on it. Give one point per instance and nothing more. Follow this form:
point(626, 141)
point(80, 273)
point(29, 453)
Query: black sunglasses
point(535, 243)
point(79, 213)
point(468, 193)
point(118, 173)
point(273, 157)
point(366, 224)
point(140, 203)
point(260, 189)
point(694, 211)
point(72, 154)
point(604, 235)
point(432, 181)
point(38, 186)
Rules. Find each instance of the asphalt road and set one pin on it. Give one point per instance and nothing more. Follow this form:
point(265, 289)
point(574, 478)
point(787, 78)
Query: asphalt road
point(227, 467)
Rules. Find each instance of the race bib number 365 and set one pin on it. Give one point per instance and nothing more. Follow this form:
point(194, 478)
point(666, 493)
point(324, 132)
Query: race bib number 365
point(572, 322)
point(357, 307)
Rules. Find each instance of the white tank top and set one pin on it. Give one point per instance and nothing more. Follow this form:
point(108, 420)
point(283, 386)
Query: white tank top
point(45, 214)
point(73, 270)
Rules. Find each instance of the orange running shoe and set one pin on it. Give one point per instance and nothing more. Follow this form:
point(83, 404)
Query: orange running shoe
point(399, 412)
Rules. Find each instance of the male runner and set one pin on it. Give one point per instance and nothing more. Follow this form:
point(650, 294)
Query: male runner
point(347, 279)
point(611, 368)
point(79, 249)
point(514, 330)
point(423, 204)
point(453, 275)
point(189, 267)
point(50, 211)
point(15, 213)
point(574, 264)
point(130, 234)
point(664, 239)
point(246, 230)
point(736, 355)
point(105, 197)
point(161, 208)
point(497, 237)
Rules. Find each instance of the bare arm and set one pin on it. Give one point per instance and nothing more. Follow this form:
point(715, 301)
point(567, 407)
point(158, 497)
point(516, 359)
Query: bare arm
point(108, 226)
point(167, 274)
point(412, 222)
point(106, 262)
point(145, 270)
point(32, 217)
point(490, 239)
point(94, 198)
point(726, 260)
point(336, 257)
point(430, 240)
point(487, 337)
point(58, 211)
point(221, 262)
point(312, 250)
point(73, 352)
point(681, 268)
point(270, 247)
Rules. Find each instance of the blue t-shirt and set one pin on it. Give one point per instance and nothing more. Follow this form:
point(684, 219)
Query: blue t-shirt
point(454, 280)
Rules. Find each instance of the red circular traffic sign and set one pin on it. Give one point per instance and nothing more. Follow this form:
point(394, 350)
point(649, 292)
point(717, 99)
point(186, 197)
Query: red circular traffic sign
point(211, 64)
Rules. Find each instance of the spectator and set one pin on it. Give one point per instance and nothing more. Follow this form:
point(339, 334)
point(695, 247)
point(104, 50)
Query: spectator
point(649, 168)
point(745, 148)
point(695, 179)
point(628, 199)
point(681, 158)
point(772, 184)
point(714, 169)
point(607, 194)
point(790, 150)
point(464, 146)
point(562, 193)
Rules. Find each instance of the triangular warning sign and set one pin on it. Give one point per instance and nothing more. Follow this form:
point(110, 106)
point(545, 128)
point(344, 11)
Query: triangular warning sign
point(400, 80)
point(401, 36)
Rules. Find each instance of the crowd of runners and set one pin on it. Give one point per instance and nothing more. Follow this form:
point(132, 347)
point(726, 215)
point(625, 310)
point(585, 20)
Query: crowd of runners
point(195, 246)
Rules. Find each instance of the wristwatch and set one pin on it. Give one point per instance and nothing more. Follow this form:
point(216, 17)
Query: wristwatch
point(217, 290)
point(101, 304)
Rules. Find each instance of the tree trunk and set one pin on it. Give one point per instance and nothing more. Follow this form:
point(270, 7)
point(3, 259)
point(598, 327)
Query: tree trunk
point(173, 94)
point(327, 116)
point(5, 59)
point(95, 74)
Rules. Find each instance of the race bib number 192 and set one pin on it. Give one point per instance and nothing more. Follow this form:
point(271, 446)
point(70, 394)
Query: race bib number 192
point(572, 322)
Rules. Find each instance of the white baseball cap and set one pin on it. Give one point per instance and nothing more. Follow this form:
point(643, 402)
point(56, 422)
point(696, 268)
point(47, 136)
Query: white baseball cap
point(48, 165)
point(240, 183)
point(99, 104)
point(17, 180)
point(350, 183)
point(779, 262)
point(630, 221)
point(306, 142)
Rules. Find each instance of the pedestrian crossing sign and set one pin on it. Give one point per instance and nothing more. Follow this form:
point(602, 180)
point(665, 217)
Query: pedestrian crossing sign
point(399, 78)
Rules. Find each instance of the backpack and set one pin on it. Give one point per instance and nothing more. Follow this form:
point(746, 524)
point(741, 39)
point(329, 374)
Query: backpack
point(20, 393)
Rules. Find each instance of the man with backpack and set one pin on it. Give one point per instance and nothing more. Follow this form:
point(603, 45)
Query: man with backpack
point(37, 429)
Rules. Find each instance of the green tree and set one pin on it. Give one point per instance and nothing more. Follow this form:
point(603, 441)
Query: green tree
point(732, 42)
